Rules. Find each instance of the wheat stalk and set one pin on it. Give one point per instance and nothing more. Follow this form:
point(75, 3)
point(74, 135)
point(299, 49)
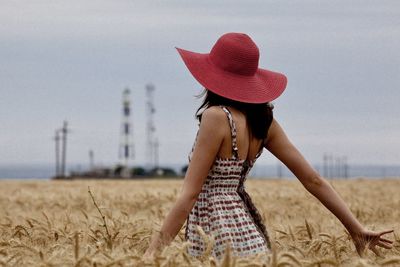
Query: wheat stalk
point(108, 238)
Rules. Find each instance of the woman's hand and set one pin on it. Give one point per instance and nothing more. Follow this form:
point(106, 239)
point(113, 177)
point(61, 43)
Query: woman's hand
point(148, 255)
point(371, 239)
point(154, 246)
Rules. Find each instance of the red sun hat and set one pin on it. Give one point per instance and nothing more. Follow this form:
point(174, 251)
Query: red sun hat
point(231, 70)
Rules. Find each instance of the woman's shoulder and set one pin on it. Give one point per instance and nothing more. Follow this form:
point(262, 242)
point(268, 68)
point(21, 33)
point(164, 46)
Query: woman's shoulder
point(213, 122)
point(213, 113)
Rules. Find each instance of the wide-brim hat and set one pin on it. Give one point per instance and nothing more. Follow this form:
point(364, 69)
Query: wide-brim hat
point(231, 70)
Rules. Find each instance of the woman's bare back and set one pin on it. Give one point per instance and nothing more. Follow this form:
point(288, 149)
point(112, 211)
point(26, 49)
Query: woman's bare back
point(248, 146)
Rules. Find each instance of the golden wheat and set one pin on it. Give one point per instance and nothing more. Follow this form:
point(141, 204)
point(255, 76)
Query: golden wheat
point(62, 223)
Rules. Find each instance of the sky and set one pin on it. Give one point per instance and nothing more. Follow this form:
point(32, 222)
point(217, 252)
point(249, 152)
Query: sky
point(71, 60)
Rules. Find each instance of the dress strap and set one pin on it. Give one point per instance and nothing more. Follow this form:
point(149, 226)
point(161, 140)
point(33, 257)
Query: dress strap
point(233, 131)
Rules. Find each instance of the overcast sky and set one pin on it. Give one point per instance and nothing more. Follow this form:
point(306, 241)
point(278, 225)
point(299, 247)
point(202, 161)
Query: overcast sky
point(72, 59)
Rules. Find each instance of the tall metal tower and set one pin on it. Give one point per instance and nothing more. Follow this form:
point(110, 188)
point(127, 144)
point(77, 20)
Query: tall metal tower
point(126, 147)
point(152, 143)
point(61, 135)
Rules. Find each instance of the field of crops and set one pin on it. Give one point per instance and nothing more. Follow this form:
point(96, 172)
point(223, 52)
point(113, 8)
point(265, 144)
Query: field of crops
point(56, 223)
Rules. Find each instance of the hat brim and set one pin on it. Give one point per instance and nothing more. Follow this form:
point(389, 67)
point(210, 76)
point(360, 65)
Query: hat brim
point(264, 86)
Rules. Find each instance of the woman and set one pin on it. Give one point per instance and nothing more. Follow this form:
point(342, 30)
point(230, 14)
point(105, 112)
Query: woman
point(234, 127)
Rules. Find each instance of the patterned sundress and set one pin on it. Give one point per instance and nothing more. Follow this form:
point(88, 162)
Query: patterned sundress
point(224, 210)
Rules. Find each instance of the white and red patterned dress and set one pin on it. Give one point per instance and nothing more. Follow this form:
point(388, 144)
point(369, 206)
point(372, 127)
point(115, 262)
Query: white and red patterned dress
point(224, 210)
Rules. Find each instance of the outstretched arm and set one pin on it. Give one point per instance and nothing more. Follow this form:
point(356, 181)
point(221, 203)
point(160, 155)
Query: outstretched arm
point(279, 145)
point(208, 142)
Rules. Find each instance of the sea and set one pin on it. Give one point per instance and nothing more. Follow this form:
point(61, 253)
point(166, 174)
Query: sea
point(46, 171)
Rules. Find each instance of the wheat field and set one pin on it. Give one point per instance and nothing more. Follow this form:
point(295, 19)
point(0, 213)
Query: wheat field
point(57, 223)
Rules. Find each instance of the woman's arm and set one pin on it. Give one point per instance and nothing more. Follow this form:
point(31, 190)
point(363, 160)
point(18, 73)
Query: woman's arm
point(278, 144)
point(208, 142)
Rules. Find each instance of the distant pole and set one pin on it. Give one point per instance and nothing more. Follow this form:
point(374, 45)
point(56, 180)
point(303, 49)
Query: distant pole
point(64, 132)
point(345, 167)
point(150, 127)
point(279, 170)
point(330, 165)
point(156, 145)
point(325, 165)
point(338, 168)
point(91, 160)
point(57, 141)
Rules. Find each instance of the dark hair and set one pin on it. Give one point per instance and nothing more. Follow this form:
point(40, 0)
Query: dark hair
point(258, 116)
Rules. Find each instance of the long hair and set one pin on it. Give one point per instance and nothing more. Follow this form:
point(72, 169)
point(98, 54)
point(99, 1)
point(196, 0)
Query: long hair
point(258, 116)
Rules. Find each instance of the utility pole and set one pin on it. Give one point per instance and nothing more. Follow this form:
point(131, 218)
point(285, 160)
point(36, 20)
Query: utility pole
point(64, 131)
point(57, 142)
point(330, 165)
point(150, 127)
point(279, 170)
point(325, 165)
point(338, 168)
point(345, 167)
point(91, 160)
point(156, 145)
